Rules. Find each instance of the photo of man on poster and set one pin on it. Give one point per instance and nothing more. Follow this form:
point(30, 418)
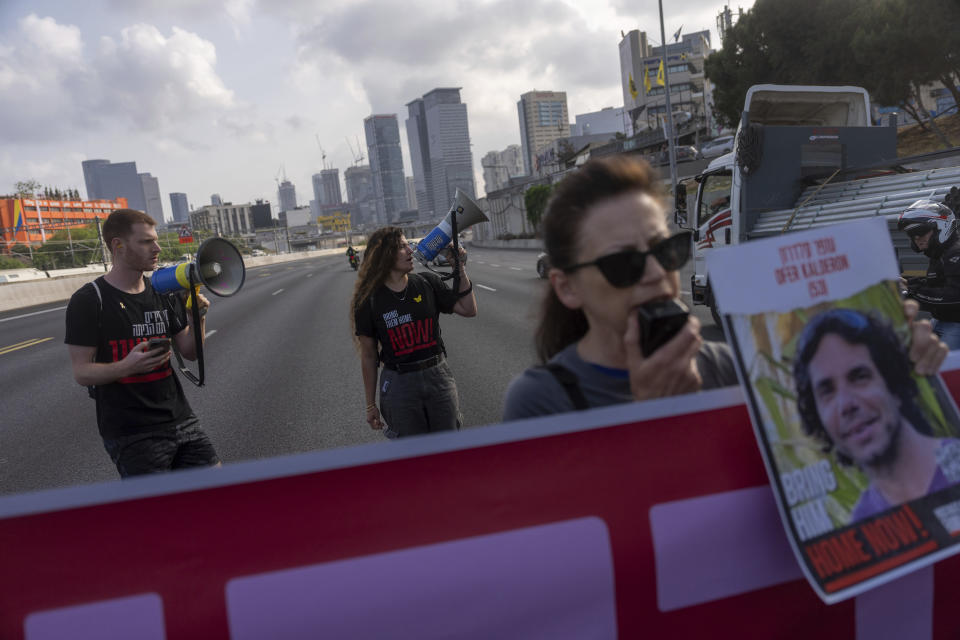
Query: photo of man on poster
point(856, 396)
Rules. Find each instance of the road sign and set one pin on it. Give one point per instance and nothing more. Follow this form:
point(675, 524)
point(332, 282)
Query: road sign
point(186, 236)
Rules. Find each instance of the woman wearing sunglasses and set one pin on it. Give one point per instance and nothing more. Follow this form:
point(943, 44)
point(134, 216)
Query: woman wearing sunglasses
point(606, 235)
point(611, 252)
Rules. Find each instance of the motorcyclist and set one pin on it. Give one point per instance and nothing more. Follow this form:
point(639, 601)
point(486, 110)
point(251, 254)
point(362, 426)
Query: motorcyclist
point(932, 229)
point(352, 256)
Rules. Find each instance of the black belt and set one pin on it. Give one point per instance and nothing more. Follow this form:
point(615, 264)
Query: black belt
point(419, 365)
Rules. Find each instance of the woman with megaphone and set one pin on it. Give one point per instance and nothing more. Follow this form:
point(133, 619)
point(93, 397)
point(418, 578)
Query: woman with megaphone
point(394, 314)
point(611, 327)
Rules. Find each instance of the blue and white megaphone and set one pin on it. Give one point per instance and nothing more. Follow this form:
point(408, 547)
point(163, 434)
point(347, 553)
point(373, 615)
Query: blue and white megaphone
point(218, 267)
point(467, 214)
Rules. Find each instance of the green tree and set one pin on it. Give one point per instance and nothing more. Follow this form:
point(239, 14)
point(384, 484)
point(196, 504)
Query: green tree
point(890, 47)
point(535, 202)
point(26, 187)
point(56, 252)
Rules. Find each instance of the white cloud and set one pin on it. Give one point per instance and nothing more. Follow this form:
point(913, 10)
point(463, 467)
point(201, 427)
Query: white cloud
point(58, 42)
point(142, 82)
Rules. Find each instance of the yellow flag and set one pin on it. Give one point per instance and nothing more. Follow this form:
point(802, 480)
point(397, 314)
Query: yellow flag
point(632, 87)
point(646, 79)
point(660, 75)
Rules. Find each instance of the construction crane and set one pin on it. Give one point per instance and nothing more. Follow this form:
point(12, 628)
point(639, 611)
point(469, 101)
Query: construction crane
point(357, 154)
point(323, 154)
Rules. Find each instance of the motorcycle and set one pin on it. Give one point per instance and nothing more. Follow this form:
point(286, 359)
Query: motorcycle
point(354, 261)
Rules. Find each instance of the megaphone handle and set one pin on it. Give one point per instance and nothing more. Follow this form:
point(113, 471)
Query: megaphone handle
point(197, 328)
point(198, 338)
point(456, 259)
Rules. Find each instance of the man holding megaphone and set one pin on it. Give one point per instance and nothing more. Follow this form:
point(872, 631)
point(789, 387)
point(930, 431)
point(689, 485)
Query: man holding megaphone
point(119, 334)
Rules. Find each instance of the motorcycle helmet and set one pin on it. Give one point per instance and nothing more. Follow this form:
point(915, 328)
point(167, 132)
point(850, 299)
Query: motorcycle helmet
point(926, 215)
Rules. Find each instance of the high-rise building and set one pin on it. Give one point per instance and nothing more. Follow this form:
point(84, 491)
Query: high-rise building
point(326, 188)
point(439, 139)
point(180, 208)
point(91, 175)
point(107, 180)
point(316, 180)
point(151, 196)
point(360, 195)
point(411, 192)
point(216, 200)
point(386, 165)
point(543, 119)
point(287, 196)
point(500, 166)
point(689, 88)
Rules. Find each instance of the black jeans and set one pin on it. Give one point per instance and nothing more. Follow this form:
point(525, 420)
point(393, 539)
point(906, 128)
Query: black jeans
point(180, 447)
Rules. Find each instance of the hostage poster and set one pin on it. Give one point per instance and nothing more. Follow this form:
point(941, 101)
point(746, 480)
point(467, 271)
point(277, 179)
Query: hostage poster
point(863, 455)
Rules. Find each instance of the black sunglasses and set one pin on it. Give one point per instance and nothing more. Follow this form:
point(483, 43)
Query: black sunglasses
point(625, 268)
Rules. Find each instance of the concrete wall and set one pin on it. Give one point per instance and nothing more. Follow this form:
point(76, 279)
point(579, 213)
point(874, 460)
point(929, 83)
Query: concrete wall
point(534, 243)
point(17, 295)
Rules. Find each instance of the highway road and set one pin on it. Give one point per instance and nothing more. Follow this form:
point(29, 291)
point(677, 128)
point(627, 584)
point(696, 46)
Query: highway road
point(282, 373)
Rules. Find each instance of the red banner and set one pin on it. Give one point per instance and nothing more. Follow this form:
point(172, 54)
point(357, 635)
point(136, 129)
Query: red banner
point(644, 520)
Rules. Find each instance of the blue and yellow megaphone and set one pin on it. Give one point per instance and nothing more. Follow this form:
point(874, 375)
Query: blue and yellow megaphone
point(218, 267)
point(467, 214)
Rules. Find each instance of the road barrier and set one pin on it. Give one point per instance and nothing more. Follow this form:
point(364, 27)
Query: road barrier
point(60, 286)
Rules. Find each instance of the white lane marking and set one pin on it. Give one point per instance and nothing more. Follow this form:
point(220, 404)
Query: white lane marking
point(276, 292)
point(516, 268)
point(485, 287)
point(27, 315)
point(209, 333)
point(481, 262)
point(494, 265)
point(310, 274)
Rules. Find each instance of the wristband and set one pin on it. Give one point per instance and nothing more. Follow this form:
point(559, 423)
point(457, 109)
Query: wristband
point(371, 406)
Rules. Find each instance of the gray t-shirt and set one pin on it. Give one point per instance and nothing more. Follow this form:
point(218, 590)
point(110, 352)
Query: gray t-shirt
point(536, 392)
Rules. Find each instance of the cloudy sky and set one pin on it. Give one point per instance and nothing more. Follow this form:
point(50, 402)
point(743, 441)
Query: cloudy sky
point(219, 96)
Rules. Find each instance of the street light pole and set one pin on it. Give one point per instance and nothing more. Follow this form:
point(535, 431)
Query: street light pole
point(666, 81)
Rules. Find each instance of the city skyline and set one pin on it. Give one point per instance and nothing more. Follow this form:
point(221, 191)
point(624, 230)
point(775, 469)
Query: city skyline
point(218, 95)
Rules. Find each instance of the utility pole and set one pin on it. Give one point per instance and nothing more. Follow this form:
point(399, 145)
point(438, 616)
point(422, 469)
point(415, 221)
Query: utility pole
point(73, 257)
point(102, 247)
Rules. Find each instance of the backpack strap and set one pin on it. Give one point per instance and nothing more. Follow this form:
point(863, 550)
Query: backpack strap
point(373, 323)
point(570, 384)
point(91, 389)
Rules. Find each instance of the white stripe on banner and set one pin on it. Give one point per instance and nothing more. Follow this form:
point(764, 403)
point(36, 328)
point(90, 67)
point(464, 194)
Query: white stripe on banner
point(559, 575)
point(725, 544)
point(139, 616)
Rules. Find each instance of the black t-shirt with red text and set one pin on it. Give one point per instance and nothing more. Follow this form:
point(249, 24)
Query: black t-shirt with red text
point(406, 324)
point(139, 403)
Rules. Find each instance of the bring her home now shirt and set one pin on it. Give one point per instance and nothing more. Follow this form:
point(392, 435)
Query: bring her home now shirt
point(140, 403)
point(406, 324)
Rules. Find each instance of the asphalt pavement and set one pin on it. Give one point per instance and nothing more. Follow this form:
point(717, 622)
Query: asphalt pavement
point(282, 371)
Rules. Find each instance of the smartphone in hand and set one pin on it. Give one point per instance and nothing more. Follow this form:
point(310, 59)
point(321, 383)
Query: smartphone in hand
point(659, 322)
point(158, 343)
